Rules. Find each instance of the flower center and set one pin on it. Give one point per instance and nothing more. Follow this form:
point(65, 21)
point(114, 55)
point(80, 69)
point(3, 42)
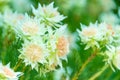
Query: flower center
point(33, 52)
point(62, 46)
point(31, 28)
point(89, 32)
point(109, 27)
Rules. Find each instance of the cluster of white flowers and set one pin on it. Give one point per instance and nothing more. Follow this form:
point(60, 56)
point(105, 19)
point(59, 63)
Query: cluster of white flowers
point(45, 43)
point(96, 35)
point(105, 38)
point(6, 73)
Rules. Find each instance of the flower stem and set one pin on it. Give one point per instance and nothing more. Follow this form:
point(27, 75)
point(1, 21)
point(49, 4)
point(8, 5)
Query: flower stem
point(17, 65)
point(99, 73)
point(75, 77)
point(24, 69)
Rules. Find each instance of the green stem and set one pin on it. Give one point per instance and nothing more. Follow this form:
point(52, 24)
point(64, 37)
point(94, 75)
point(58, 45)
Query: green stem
point(17, 65)
point(29, 69)
point(22, 77)
point(99, 73)
point(75, 77)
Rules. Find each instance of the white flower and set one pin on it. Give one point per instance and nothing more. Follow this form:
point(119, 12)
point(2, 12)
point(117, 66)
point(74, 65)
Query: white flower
point(8, 73)
point(48, 12)
point(12, 18)
point(62, 46)
point(106, 29)
point(116, 58)
point(113, 56)
point(30, 27)
point(58, 47)
point(90, 35)
point(57, 38)
point(107, 32)
point(92, 31)
point(59, 41)
point(97, 35)
point(34, 52)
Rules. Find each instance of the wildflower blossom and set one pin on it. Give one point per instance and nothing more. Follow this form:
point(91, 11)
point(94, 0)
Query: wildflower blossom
point(62, 46)
point(11, 18)
point(108, 34)
point(58, 39)
point(90, 35)
point(61, 42)
point(58, 47)
point(33, 52)
point(48, 12)
point(97, 35)
point(6, 73)
point(30, 27)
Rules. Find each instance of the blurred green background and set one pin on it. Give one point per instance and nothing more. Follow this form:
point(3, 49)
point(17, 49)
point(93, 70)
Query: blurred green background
point(77, 11)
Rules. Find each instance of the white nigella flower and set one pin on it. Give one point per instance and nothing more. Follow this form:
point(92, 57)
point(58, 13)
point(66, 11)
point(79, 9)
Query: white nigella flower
point(30, 27)
point(48, 12)
point(6, 73)
point(12, 18)
point(34, 52)
point(90, 35)
point(116, 58)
